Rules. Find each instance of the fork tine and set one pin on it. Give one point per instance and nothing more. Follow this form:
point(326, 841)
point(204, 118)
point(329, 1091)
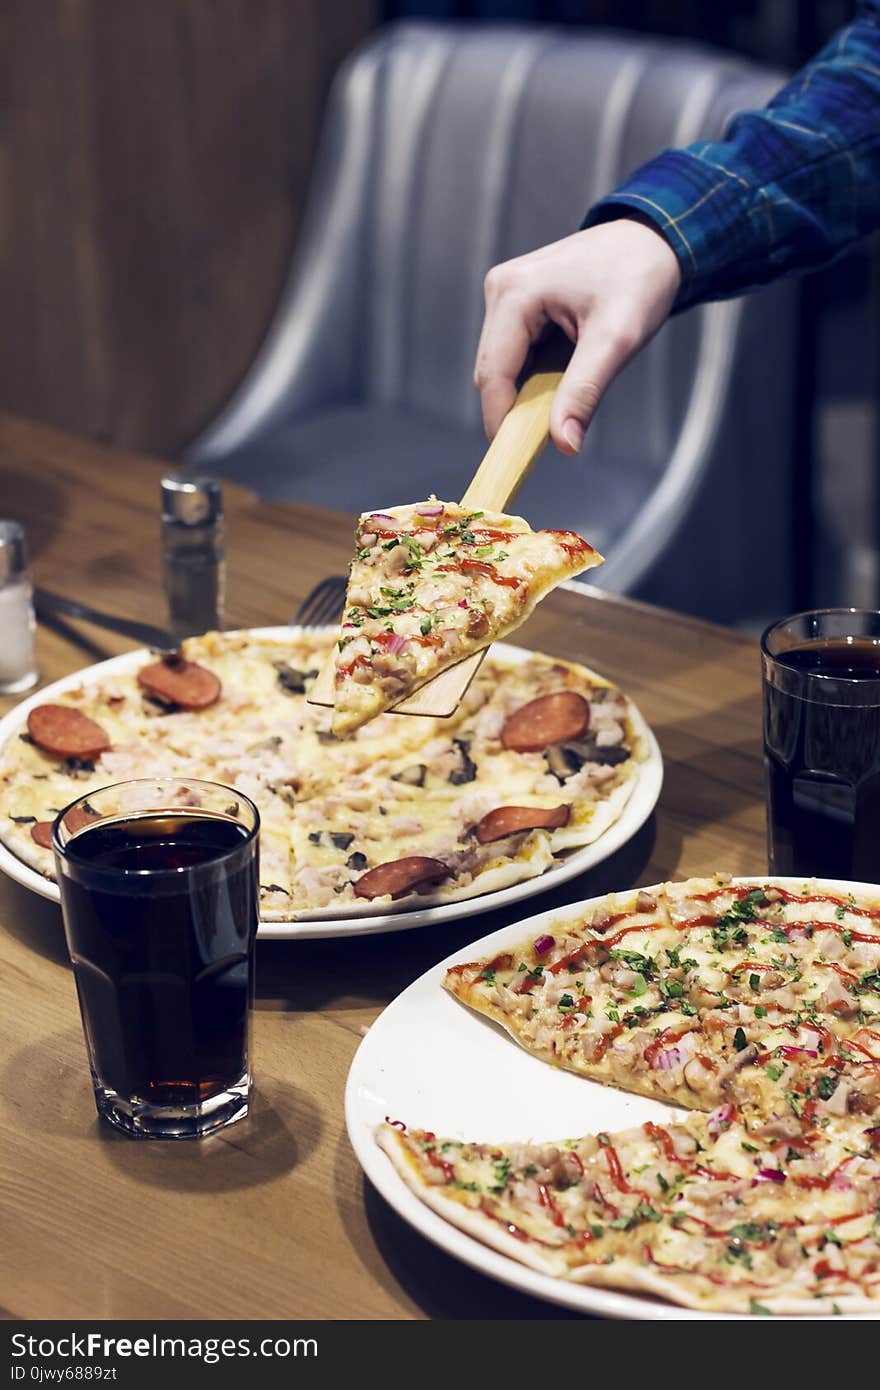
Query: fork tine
point(311, 604)
point(334, 601)
point(328, 604)
point(303, 612)
point(324, 603)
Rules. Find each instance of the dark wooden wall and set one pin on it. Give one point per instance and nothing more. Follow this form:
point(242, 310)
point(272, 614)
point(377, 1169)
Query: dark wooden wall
point(154, 156)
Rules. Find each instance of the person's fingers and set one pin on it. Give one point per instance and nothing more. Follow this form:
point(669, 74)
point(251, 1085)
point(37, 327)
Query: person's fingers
point(504, 345)
point(598, 356)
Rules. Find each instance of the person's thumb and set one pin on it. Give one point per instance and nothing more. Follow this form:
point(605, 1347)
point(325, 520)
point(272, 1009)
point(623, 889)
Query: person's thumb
point(597, 358)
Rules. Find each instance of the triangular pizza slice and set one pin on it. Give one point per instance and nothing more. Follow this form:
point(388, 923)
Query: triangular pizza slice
point(716, 1212)
point(705, 993)
point(430, 584)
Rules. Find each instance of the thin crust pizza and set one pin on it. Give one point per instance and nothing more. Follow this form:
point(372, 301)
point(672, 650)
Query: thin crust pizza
point(429, 585)
point(758, 1004)
point(540, 758)
point(700, 992)
point(714, 1212)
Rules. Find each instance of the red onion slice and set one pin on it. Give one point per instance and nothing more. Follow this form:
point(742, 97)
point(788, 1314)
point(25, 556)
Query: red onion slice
point(787, 1050)
point(840, 1182)
point(395, 644)
point(431, 509)
point(542, 944)
point(720, 1120)
point(795, 933)
point(770, 1175)
point(667, 1059)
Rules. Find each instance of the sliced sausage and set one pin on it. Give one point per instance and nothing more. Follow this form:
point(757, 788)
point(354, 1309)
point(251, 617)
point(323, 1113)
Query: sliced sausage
point(180, 682)
point(508, 820)
point(41, 834)
point(66, 732)
point(75, 819)
point(79, 817)
point(400, 876)
point(556, 718)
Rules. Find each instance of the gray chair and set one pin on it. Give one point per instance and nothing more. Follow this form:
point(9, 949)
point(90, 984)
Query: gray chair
point(446, 149)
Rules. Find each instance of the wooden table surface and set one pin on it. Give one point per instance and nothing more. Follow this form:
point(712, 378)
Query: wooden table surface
point(273, 1219)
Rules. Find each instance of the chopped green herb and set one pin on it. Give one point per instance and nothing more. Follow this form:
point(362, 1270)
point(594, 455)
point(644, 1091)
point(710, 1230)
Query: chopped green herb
point(671, 989)
point(643, 964)
point(739, 1040)
point(501, 1173)
point(738, 1254)
point(647, 1212)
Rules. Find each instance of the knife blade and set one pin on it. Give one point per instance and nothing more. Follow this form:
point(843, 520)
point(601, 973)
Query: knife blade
point(50, 605)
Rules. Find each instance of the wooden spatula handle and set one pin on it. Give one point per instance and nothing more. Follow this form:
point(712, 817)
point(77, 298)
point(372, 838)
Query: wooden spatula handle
point(521, 438)
point(525, 429)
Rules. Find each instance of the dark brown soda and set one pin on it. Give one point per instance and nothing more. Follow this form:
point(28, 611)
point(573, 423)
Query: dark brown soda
point(823, 765)
point(163, 976)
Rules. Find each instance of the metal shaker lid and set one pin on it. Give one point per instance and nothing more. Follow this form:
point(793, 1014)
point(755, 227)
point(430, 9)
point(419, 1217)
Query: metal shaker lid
point(13, 551)
point(191, 501)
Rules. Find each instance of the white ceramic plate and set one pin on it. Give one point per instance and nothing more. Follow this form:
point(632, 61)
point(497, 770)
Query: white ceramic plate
point(367, 919)
point(431, 1062)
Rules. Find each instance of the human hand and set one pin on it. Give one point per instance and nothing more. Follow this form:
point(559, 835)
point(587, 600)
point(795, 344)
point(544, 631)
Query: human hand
point(609, 288)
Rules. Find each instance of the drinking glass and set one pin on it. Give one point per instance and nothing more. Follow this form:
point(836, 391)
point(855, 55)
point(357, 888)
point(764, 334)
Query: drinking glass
point(160, 896)
point(821, 684)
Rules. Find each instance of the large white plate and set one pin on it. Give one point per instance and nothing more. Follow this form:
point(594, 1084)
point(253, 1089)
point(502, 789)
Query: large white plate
point(367, 920)
point(433, 1063)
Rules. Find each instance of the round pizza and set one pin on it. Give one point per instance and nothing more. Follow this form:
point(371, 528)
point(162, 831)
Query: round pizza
point(758, 1005)
point(539, 759)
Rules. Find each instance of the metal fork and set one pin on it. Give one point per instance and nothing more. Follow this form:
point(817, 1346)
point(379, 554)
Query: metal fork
point(323, 605)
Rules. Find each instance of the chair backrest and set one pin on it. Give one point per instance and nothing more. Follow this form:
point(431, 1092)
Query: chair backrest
point(448, 148)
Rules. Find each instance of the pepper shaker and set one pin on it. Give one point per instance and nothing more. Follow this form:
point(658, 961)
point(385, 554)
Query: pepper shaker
point(192, 553)
point(18, 664)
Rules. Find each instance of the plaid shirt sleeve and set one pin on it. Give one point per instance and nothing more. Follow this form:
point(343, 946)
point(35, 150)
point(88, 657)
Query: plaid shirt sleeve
point(788, 187)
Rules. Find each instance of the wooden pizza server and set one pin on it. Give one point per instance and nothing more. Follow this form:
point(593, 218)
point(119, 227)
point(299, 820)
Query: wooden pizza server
point(522, 437)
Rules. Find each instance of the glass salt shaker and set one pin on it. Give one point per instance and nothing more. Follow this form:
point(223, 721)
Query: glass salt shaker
point(18, 663)
point(192, 553)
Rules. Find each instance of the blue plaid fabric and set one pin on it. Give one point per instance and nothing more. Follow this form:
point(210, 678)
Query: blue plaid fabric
point(786, 190)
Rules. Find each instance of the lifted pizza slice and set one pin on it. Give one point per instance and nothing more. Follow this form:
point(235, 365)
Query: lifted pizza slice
point(430, 585)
